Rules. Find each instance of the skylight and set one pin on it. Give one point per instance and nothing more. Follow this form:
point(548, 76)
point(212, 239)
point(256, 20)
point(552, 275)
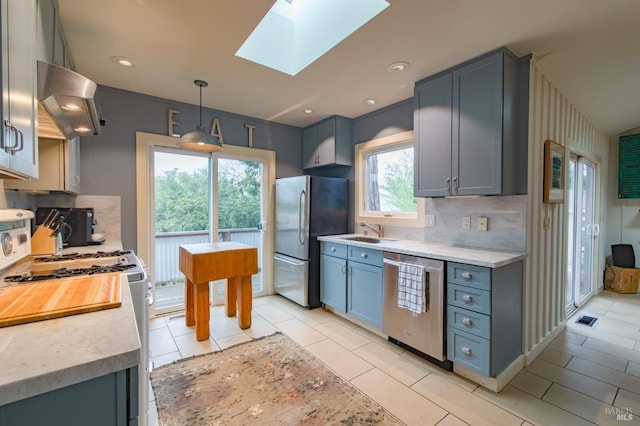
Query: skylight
point(294, 33)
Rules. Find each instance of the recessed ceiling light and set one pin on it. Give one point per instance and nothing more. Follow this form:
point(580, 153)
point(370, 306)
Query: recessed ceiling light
point(398, 67)
point(307, 111)
point(125, 62)
point(370, 101)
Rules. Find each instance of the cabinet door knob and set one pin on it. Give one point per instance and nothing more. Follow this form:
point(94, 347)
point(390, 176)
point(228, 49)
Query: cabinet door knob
point(467, 275)
point(448, 183)
point(467, 298)
point(333, 249)
point(363, 255)
point(467, 351)
point(467, 321)
point(455, 183)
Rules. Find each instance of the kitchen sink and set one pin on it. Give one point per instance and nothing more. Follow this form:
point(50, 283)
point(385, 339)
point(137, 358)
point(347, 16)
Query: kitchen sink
point(373, 240)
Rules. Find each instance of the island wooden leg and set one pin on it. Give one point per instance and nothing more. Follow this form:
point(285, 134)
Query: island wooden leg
point(189, 317)
point(202, 311)
point(230, 297)
point(246, 299)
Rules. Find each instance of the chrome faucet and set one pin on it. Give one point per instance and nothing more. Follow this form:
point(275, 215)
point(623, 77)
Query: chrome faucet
point(379, 231)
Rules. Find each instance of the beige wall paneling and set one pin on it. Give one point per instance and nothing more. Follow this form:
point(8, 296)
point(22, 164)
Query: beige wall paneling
point(552, 116)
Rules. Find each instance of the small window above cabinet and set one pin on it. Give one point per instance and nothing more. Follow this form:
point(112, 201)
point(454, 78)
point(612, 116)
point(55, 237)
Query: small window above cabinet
point(59, 168)
point(327, 143)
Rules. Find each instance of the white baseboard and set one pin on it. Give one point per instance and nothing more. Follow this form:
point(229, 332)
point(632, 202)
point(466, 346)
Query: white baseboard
point(494, 384)
point(542, 344)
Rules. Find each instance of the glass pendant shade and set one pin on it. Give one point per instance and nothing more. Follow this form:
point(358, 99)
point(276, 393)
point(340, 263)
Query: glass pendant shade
point(199, 140)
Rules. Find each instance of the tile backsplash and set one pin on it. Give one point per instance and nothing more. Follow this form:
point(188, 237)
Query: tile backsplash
point(507, 222)
point(106, 208)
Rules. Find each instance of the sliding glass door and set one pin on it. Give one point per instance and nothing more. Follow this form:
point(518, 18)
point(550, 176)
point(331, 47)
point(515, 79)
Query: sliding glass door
point(199, 198)
point(181, 215)
point(583, 231)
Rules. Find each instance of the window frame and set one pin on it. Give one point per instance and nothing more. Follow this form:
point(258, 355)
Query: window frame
point(387, 143)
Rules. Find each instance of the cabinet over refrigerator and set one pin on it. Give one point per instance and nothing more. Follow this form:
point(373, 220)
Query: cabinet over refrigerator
point(306, 207)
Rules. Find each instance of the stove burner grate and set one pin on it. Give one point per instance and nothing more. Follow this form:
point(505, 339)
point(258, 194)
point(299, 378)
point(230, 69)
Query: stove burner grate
point(76, 256)
point(65, 273)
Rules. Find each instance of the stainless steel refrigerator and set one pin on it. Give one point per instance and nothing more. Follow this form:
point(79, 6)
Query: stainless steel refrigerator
point(306, 207)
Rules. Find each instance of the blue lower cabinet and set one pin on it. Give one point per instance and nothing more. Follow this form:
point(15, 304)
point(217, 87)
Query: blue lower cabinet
point(364, 284)
point(333, 282)
point(469, 350)
point(351, 281)
point(484, 316)
point(109, 400)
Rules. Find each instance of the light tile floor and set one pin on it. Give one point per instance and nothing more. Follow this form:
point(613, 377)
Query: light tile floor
point(587, 375)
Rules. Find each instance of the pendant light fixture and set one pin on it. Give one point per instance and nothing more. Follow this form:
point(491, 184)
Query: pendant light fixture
point(199, 140)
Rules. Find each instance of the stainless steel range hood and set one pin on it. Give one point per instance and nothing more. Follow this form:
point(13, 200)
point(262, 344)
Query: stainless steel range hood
point(68, 98)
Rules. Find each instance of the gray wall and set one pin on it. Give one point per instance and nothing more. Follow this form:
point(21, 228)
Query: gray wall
point(386, 121)
point(108, 161)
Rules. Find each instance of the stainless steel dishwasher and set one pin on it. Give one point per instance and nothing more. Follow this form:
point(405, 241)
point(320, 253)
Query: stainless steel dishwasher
point(423, 332)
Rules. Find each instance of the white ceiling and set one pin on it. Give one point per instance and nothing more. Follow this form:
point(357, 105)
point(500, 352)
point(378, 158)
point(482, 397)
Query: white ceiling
point(589, 48)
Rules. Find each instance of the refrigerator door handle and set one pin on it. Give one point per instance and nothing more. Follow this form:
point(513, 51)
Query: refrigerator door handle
point(301, 213)
point(288, 260)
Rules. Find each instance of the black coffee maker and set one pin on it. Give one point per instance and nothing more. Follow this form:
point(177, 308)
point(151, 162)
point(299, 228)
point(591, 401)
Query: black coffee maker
point(80, 221)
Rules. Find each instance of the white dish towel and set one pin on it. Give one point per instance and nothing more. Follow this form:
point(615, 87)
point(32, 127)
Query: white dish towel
point(411, 287)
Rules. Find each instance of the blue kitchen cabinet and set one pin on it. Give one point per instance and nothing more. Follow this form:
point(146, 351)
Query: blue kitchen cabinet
point(333, 276)
point(351, 281)
point(18, 135)
point(327, 143)
point(484, 316)
point(364, 285)
point(465, 123)
point(109, 400)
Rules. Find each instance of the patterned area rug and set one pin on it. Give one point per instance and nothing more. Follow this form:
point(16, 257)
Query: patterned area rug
point(266, 381)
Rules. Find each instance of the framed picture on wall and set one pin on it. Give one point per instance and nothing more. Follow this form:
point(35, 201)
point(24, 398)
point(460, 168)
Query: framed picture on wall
point(554, 171)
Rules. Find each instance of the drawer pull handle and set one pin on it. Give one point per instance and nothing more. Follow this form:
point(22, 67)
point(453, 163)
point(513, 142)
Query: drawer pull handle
point(467, 321)
point(467, 275)
point(363, 255)
point(467, 298)
point(467, 351)
point(333, 249)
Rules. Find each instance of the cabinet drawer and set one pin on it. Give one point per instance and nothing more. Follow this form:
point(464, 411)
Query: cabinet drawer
point(469, 275)
point(333, 249)
point(469, 351)
point(469, 298)
point(365, 255)
point(469, 321)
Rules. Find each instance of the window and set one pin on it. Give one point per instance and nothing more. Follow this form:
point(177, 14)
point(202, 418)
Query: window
point(384, 182)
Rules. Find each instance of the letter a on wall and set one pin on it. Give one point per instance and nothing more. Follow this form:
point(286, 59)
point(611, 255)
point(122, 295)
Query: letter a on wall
point(216, 130)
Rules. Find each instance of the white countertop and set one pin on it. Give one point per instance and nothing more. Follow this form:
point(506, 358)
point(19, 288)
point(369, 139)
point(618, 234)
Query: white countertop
point(46, 355)
point(109, 245)
point(468, 255)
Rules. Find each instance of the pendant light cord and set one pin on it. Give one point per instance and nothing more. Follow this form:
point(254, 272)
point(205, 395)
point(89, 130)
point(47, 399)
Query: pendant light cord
point(200, 106)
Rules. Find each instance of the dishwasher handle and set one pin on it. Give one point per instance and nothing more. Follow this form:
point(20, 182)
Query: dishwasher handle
point(429, 265)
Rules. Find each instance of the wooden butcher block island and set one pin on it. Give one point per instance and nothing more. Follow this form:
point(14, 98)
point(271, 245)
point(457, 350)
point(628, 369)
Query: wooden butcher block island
point(24, 303)
point(201, 263)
